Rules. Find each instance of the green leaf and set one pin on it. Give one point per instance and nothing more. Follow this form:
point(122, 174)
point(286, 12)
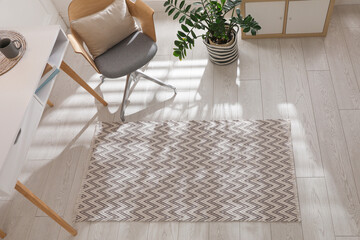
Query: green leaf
point(238, 12)
point(223, 2)
point(166, 3)
point(167, 9)
point(248, 19)
point(182, 4)
point(187, 8)
point(198, 26)
point(193, 17)
point(177, 53)
point(189, 22)
point(171, 11)
point(253, 32)
point(247, 29)
point(199, 9)
point(193, 34)
point(203, 17)
point(176, 2)
point(182, 19)
point(190, 40)
point(184, 28)
point(176, 15)
point(177, 43)
point(181, 34)
point(180, 37)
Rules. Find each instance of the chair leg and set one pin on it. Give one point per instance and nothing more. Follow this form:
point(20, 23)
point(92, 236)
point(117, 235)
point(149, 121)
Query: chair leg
point(49, 103)
point(125, 97)
point(102, 78)
point(136, 76)
point(2, 234)
point(69, 71)
point(155, 80)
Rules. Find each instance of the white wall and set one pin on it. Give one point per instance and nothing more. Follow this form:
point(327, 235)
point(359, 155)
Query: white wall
point(62, 6)
point(24, 13)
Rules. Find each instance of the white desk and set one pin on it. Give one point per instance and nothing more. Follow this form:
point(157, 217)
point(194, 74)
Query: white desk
point(21, 109)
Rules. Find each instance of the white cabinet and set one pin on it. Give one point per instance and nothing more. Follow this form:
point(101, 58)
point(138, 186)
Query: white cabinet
point(289, 18)
point(270, 15)
point(307, 16)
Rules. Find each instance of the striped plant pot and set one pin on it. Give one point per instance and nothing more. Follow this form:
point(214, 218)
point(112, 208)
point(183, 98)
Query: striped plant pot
point(223, 54)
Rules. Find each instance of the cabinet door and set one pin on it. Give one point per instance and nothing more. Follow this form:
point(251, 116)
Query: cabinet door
point(307, 16)
point(269, 15)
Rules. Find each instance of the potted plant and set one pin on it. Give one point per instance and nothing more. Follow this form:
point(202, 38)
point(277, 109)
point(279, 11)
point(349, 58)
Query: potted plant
point(220, 36)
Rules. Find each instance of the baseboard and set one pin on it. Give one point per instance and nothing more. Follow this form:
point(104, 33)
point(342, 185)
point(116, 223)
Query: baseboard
point(345, 2)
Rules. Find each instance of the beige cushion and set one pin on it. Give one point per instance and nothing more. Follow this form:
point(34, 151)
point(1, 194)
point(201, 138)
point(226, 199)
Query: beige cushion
point(103, 30)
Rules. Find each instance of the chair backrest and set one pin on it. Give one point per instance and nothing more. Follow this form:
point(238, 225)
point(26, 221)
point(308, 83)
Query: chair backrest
point(82, 8)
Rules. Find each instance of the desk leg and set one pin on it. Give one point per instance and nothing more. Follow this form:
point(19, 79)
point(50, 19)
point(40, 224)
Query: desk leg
point(2, 234)
point(68, 70)
point(46, 209)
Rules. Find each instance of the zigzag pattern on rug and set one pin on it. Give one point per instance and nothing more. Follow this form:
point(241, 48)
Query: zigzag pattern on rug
point(191, 171)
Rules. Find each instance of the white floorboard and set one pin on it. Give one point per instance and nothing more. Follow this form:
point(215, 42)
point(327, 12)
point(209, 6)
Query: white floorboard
point(303, 129)
point(190, 231)
point(315, 211)
point(255, 231)
point(342, 72)
point(286, 231)
point(224, 231)
point(343, 197)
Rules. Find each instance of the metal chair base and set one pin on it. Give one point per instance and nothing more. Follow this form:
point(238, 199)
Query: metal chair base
point(134, 77)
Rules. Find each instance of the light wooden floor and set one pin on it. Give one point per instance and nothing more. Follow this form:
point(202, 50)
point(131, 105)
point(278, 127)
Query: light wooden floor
point(312, 81)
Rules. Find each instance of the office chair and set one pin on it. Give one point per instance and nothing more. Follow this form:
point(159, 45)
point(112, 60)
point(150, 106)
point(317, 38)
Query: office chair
point(139, 48)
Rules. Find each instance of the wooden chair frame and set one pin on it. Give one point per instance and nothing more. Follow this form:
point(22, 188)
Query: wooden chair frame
point(76, 10)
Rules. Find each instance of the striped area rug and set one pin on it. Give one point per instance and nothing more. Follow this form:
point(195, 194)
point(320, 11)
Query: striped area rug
point(191, 171)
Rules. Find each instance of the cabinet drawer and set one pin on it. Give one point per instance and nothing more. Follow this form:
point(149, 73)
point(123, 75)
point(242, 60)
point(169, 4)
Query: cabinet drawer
point(269, 15)
point(307, 16)
point(17, 154)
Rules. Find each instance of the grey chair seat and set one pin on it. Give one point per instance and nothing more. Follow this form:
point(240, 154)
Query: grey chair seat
point(127, 56)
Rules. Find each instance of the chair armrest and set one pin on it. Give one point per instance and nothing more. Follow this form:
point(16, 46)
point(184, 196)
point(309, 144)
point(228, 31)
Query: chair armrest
point(78, 47)
point(144, 14)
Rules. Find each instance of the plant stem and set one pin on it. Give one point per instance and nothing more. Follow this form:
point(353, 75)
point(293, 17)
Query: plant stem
point(230, 26)
point(202, 2)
